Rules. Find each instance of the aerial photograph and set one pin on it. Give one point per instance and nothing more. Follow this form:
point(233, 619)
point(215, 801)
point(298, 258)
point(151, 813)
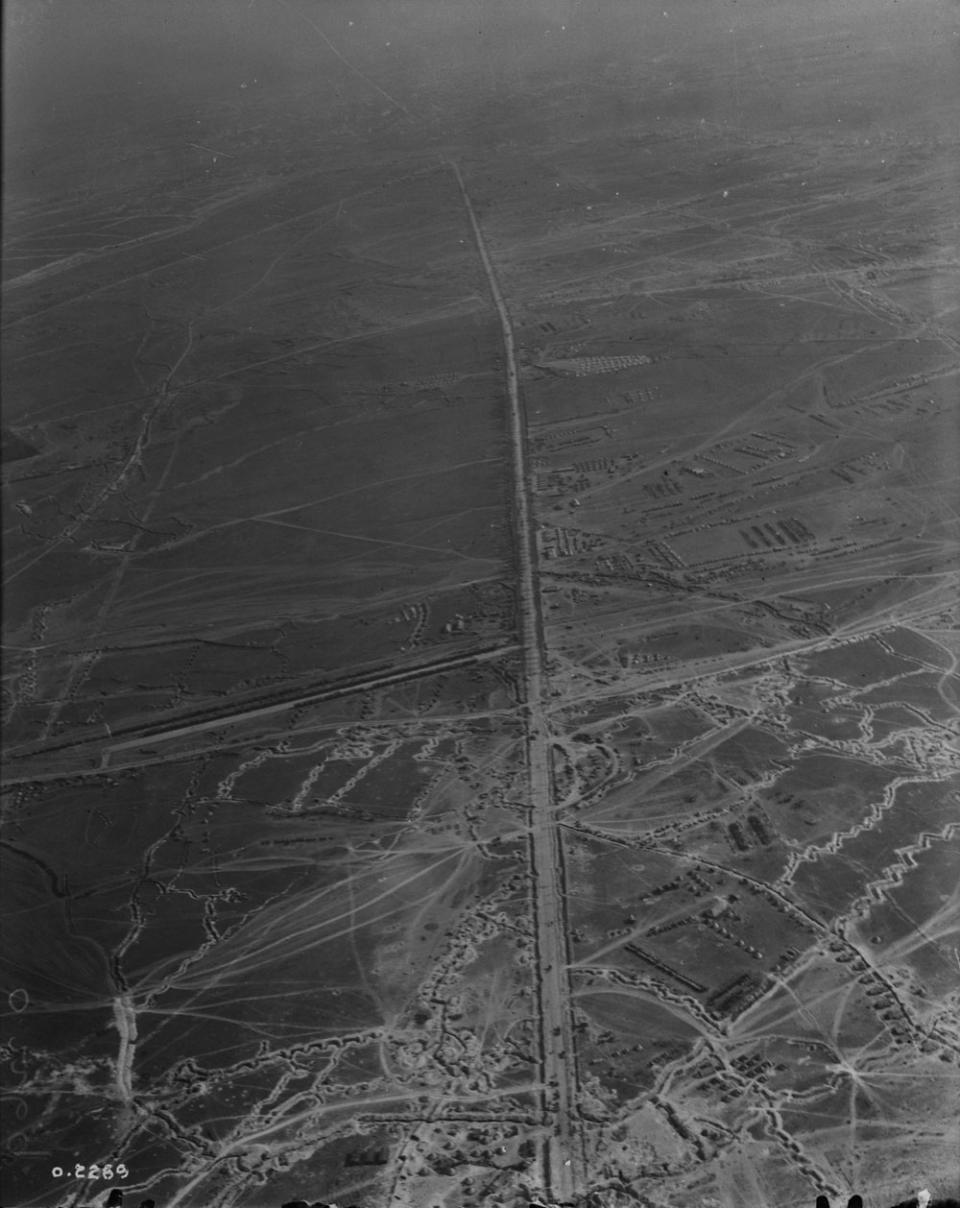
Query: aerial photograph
point(481, 604)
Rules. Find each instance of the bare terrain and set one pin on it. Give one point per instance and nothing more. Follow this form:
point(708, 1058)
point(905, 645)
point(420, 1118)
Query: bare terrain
point(481, 624)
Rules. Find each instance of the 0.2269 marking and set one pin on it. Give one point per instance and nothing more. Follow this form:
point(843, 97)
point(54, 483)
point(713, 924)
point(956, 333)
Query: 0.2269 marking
point(106, 1171)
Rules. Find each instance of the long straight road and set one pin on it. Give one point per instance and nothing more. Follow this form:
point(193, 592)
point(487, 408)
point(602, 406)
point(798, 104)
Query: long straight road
point(556, 1039)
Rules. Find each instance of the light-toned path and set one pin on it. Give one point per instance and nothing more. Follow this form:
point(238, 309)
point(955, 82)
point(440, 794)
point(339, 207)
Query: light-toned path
point(561, 1164)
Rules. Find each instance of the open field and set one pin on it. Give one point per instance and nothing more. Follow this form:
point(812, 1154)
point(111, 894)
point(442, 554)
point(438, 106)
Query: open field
point(481, 645)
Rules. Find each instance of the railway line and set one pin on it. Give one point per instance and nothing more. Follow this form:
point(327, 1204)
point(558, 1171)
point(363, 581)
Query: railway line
point(561, 1159)
point(242, 709)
